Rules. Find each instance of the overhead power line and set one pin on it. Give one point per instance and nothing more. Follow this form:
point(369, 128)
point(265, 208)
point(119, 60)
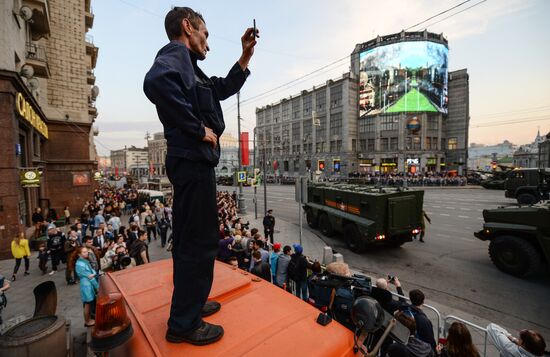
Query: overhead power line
point(438, 14)
point(456, 13)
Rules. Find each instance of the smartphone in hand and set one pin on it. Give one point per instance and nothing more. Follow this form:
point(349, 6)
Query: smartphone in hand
point(255, 33)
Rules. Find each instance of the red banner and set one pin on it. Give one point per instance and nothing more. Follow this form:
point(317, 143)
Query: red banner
point(244, 149)
point(116, 171)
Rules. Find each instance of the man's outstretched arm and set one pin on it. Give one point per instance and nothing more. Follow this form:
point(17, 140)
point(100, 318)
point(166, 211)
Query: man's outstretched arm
point(232, 83)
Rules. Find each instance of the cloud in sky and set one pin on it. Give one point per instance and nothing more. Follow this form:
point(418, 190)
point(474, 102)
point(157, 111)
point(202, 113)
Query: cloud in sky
point(501, 44)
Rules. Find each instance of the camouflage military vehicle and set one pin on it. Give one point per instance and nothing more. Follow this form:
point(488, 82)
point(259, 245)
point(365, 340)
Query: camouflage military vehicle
point(519, 237)
point(366, 216)
point(527, 186)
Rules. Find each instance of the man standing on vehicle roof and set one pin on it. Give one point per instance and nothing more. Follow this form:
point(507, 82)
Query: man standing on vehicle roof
point(188, 106)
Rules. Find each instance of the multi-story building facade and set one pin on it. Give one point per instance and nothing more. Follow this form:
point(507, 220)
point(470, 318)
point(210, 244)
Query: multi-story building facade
point(47, 108)
point(157, 154)
point(229, 155)
point(533, 155)
point(373, 118)
point(317, 127)
point(131, 160)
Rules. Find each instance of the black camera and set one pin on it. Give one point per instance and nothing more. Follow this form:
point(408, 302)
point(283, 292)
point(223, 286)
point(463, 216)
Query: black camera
point(391, 278)
point(121, 261)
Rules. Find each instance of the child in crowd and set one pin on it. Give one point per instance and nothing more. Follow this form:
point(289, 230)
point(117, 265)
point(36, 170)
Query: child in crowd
point(42, 258)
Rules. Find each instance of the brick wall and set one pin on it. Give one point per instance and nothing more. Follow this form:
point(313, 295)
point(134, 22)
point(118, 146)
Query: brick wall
point(67, 92)
point(9, 194)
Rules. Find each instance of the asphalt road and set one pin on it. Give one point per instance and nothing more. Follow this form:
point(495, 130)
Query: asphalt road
point(452, 267)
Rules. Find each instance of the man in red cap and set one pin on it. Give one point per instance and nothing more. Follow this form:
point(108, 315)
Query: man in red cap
point(273, 260)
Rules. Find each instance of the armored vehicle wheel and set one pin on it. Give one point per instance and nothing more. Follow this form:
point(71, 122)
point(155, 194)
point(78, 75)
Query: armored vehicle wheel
point(353, 238)
point(514, 255)
point(526, 199)
point(325, 226)
point(311, 219)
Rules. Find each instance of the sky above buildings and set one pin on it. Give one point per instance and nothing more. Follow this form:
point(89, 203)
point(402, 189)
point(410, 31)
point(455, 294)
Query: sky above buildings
point(504, 45)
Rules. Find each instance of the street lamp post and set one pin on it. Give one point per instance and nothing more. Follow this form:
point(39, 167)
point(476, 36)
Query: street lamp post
point(241, 202)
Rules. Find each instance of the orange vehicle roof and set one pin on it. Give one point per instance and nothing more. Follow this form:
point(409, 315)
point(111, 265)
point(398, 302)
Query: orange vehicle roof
point(259, 318)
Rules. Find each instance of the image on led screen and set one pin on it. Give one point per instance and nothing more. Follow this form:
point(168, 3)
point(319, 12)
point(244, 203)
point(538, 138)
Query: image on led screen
point(403, 77)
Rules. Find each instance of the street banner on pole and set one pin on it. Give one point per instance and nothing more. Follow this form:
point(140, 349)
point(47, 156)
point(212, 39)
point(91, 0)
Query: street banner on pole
point(244, 149)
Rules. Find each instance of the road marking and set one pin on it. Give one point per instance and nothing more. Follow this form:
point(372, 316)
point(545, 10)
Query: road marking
point(443, 235)
point(436, 206)
point(464, 209)
point(449, 207)
point(444, 214)
point(429, 212)
point(480, 218)
point(463, 217)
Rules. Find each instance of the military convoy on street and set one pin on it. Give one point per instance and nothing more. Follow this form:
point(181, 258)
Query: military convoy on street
point(367, 216)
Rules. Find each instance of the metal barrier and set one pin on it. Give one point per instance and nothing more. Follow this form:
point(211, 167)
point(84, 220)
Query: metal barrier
point(471, 324)
point(440, 329)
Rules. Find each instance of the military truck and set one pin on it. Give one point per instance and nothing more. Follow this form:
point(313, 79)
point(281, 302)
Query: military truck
point(367, 216)
point(519, 237)
point(527, 186)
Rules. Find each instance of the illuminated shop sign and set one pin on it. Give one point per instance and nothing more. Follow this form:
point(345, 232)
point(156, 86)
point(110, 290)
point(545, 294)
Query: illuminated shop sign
point(25, 110)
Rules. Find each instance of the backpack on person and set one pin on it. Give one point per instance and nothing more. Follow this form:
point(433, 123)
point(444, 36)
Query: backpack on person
point(293, 269)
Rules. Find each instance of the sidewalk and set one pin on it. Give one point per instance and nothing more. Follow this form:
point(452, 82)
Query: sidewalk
point(21, 298)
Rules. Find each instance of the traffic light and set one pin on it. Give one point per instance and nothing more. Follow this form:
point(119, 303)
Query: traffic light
point(321, 165)
point(336, 164)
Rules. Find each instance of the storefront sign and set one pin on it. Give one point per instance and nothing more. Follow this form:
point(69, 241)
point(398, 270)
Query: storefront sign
point(389, 164)
point(81, 179)
point(30, 178)
point(25, 110)
point(415, 162)
point(431, 161)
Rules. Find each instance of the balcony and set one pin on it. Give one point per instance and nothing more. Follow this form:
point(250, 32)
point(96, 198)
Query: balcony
point(40, 20)
point(90, 77)
point(92, 110)
point(89, 19)
point(91, 50)
point(36, 57)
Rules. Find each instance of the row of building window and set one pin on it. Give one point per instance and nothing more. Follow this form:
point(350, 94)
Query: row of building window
point(269, 116)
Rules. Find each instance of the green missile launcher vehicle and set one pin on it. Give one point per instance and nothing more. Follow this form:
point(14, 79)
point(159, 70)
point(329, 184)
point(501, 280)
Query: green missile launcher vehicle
point(366, 216)
point(519, 237)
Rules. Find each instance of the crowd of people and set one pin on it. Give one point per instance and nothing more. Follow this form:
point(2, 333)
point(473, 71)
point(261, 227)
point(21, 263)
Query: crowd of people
point(404, 180)
point(98, 241)
point(95, 241)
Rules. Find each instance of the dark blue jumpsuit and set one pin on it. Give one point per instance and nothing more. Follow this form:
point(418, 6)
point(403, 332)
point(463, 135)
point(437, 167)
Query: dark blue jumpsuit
point(187, 101)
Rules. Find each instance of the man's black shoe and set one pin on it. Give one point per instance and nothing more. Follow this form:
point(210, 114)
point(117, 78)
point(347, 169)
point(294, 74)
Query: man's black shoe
point(210, 308)
point(204, 335)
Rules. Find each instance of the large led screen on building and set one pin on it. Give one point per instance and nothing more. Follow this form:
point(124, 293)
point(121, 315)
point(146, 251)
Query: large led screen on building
point(403, 77)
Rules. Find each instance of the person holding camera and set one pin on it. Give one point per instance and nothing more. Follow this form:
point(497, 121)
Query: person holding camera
point(382, 294)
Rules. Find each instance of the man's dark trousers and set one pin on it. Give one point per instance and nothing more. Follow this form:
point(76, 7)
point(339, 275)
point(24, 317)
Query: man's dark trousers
point(195, 240)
